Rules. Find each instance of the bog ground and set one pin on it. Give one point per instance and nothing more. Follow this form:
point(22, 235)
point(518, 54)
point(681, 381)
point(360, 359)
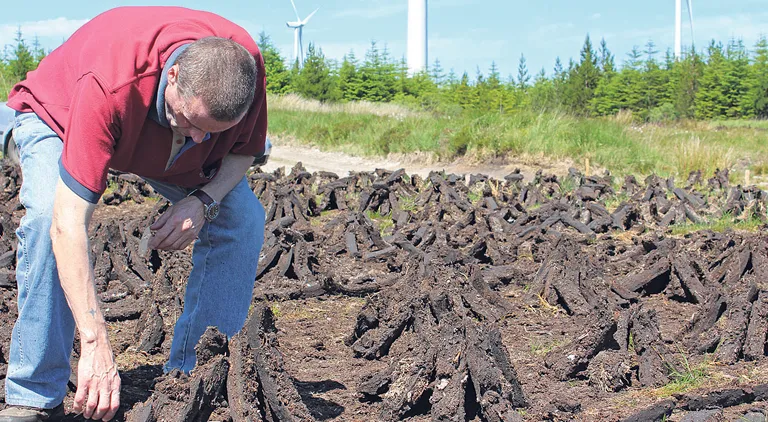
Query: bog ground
point(385, 295)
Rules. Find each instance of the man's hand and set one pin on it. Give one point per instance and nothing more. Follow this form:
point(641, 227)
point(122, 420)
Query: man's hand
point(97, 381)
point(98, 384)
point(179, 225)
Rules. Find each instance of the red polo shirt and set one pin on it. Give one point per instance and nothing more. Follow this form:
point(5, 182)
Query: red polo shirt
point(96, 90)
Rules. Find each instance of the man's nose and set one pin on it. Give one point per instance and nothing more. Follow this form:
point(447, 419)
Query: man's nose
point(197, 135)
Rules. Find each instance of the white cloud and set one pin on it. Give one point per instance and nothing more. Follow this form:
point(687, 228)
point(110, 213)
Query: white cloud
point(382, 9)
point(721, 28)
point(375, 11)
point(253, 28)
point(339, 50)
point(445, 47)
point(746, 26)
point(552, 29)
point(450, 3)
point(596, 16)
point(59, 28)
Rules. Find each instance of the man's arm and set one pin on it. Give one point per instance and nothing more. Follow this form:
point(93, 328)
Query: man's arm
point(233, 168)
point(97, 380)
point(180, 225)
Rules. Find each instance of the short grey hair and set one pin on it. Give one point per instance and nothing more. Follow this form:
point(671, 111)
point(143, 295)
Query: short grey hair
point(221, 73)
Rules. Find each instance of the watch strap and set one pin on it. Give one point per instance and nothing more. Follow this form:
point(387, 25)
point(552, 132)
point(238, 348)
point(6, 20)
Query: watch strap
point(202, 196)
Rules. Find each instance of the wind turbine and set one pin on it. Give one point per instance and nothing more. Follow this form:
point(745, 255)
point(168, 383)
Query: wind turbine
point(679, 25)
point(298, 26)
point(417, 35)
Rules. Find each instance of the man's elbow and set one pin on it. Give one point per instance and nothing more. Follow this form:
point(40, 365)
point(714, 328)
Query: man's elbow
point(62, 229)
point(57, 230)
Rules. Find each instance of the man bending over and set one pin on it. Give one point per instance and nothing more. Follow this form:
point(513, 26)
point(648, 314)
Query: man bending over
point(176, 96)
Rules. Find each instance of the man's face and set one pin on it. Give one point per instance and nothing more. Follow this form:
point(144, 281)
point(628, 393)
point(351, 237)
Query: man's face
point(189, 116)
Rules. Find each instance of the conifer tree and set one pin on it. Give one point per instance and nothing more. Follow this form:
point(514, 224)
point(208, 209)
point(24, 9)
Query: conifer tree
point(22, 59)
point(377, 76)
point(278, 76)
point(437, 74)
point(349, 79)
point(495, 94)
point(38, 52)
point(559, 82)
point(685, 78)
point(479, 98)
point(652, 79)
point(601, 103)
point(607, 61)
point(735, 85)
point(463, 92)
point(523, 78)
point(583, 80)
point(423, 89)
point(314, 79)
point(634, 58)
point(542, 93)
point(403, 81)
point(755, 102)
point(711, 99)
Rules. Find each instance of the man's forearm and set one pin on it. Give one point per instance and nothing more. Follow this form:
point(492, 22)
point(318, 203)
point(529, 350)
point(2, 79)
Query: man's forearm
point(69, 237)
point(233, 168)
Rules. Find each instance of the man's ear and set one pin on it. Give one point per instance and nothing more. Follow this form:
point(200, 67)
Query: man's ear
point(173, 74)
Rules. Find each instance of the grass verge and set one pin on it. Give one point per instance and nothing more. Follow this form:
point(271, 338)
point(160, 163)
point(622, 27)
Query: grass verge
point(719, 225)
point(619, 145)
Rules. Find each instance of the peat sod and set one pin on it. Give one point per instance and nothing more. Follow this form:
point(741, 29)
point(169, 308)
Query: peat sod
point(448, 299)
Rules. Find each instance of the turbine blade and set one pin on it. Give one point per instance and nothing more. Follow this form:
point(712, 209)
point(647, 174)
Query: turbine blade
point(310, 15)
point(297, 12)
point(690, 17)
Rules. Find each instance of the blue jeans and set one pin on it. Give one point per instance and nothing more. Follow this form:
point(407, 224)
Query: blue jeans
point(218, 291)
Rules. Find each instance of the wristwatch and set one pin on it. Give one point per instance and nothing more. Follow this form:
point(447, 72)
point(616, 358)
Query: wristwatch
point(211, 206)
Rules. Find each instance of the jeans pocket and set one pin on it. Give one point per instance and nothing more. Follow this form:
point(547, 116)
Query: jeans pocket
point(21, 118)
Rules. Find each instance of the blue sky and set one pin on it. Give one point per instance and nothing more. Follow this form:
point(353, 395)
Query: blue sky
point(463, 34)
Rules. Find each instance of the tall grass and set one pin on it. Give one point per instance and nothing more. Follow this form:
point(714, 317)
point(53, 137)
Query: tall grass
point(6, 85)
point(616, 143)
point(297, 103)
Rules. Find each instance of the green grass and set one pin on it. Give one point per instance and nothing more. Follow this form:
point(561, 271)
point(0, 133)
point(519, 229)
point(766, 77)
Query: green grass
point(719, 225)
point(475, 194)
point(407, 203)
point(111, 187)
point(275, 308)
point(382, 222)
point(749, 124)
point(567, 185)
point(688, 378)
point(619, 145)
point(540, 348)
point(613, 202)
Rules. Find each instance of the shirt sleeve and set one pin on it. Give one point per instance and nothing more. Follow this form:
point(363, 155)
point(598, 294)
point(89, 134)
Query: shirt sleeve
point(89, 140)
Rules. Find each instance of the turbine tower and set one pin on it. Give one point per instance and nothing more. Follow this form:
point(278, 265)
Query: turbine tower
point(679, 25)
point(298, 26)
point(417, 35)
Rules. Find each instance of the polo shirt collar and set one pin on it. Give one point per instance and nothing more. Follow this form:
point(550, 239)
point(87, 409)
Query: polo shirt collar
point(157, 110)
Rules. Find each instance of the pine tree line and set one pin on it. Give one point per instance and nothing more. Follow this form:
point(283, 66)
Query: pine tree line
point(722, 82)
point(17, 60)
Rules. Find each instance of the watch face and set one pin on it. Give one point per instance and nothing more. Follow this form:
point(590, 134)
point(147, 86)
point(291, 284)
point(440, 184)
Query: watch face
point(212, 212)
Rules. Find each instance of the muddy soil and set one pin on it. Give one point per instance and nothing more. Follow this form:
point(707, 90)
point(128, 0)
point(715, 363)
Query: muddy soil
point(392, 296)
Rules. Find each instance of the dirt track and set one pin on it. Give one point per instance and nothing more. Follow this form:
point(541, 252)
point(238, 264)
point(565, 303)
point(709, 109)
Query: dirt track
point(287, 155)
point(388, 296)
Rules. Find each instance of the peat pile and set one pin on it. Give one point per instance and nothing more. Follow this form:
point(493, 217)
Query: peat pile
point(389, 234)
point(456, 274)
